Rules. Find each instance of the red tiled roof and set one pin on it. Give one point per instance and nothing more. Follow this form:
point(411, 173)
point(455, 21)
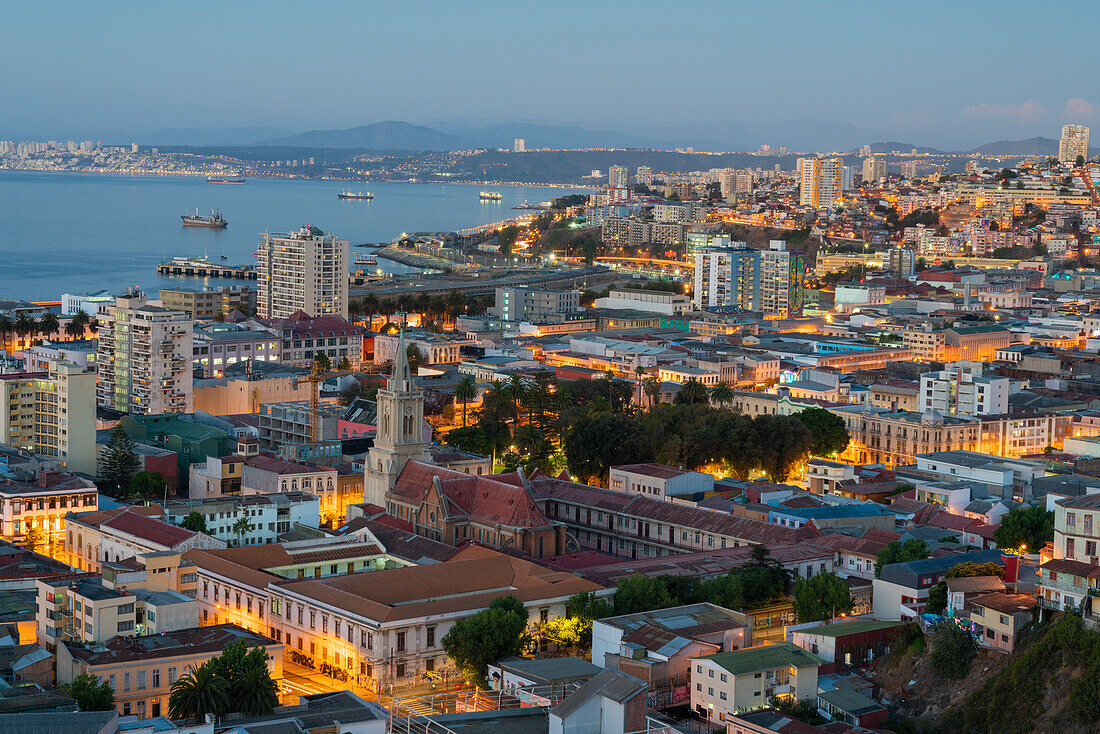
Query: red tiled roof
point(947, 521)
point(149, 528)
point(481, 498)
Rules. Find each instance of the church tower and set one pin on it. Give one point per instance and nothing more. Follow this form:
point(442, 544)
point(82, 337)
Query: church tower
point(400, 433)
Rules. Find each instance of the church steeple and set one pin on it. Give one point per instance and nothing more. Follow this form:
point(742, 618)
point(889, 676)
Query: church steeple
point(401, 377)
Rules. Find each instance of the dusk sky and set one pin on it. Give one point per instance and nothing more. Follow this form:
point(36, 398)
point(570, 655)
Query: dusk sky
point(950, 74)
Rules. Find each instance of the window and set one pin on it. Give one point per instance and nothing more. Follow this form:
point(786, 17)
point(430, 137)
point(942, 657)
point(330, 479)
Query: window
point(710, 691)
point(722, 695)
point(699, 686)
point(710, 673)
point(125, 681)
point(156, 677)
point(141, 680)
point(430, 637)
point(723, 677)
point(312, 619)
point(401, 642)
point(324, 623)
point(111, 681)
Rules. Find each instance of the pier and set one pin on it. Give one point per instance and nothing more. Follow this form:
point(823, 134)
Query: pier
point(198, 268)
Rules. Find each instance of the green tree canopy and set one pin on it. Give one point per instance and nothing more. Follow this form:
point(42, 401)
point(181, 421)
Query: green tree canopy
point(827, 430)
point(474, 642)
point(821, 597)
point(195, 521)
point(148, 485)
point(898, 552)
point(238, 680)
point(90, 693)
point(1032, 527)
point(197, 693)
point(953, 650)
point(642, 593)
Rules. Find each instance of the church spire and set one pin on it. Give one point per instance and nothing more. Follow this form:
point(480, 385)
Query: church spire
point(401, 378)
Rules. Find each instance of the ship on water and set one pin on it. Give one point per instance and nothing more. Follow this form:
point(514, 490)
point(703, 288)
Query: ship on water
point(355, 195)
point(233, 179)
point(215, 220)
point(490, 195)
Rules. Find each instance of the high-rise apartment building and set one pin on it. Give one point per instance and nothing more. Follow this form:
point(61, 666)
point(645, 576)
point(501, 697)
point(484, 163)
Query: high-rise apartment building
point(742, 183)
point(962, 389)
point(519, 145)
point(903, 261)
point(822, 181)
point(305, 271)
point(51, 413)
point(874, 169)
point(781, 274)
point(1074, 142)
point(909, 169)
point(618, 177)
point(144, 357)
point(644, 175)
point(523, 303)
point(727, 276)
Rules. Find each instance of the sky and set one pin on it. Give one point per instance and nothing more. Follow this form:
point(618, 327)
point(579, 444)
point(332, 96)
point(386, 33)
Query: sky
point(949, 74)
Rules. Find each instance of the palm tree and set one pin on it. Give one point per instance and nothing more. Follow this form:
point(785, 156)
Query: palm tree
point(24, 325)
point(722, 393)
point(530, 440)
point(465, 390)
point(77, 324)
point(93, 324)
point(387, 307)
point(652, 387)
point(198, 693)
point(517, 391)
point(370, 305)
point(639, 372)
point(456, 303)
point(599, 406)
point(423, 304)
point(258, 694)
point(6, 330)
point(48, 323)
point(242, 528)
point(405, 303)
point(692, 392)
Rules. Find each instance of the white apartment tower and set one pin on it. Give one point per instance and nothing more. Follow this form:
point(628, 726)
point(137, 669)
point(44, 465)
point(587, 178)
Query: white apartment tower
point(874, 169)
point(1074, 142)
point(618, 177)
point(961, 389)
point(144, 358)
point(519, 145)
point(400, 430)
point(305, 270)
point(822, 182)
point(727, 276)
point(644, 176)
point(52, 413)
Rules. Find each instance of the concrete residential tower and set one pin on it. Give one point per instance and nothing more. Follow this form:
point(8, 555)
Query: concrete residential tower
point(305, 271)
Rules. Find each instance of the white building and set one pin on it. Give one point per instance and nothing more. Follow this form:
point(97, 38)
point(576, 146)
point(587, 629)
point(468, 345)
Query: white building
point(144, 358)
point(822, 182)
point(727, 276)
point(961, 389)
point(658, 481)
point(89, 303)
point(618, 177)
point(523, 303)
point(661, 302)
point(305, 271)
point(268, 515)
point(519, 145)
point(1074, 142)
point(644, 175)
point(874, 169)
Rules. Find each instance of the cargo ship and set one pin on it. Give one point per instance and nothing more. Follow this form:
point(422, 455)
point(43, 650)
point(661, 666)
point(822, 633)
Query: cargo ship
point(238, 179)
point(215, 220)
point(490, 195)
point(355, 195)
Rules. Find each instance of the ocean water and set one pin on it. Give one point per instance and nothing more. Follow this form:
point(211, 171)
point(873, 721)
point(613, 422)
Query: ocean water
point(72, 233)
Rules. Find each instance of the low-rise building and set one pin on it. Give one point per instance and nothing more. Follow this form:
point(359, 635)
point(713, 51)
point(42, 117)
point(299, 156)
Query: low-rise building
point(268, 515)
point(141, 671)
point(847, 644)
point(210, 303)
point(41, 502)
point(95, 538)
point(997, 619)
point(659, 481)
point(283, 424)
point(51, 413)
point(901, 590)
point(726, 683)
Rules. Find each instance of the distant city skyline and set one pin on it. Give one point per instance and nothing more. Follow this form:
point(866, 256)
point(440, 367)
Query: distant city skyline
point(946, 76)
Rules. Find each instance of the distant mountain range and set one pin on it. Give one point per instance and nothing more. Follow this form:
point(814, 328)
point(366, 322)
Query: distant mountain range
point(797, 135)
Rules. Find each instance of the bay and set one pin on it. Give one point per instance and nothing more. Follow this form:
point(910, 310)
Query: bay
point(75, 233)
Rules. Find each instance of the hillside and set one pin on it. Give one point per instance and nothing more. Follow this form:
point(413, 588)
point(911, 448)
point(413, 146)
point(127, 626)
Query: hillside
point(1048, 685)
point(388, 135)
point(1030, 146)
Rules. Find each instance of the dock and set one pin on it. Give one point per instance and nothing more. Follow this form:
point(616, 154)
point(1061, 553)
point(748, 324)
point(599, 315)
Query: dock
point(202, 268)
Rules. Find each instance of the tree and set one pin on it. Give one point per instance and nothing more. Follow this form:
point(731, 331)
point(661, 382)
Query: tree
point(1080, 161)
point(506, 237)
point(195, 522)
point(465, 391)
point(35, 538)
point(764, 578)
point(821, 597)
point(587, 605)
point(412, 352)
point(90, 693)
point(48, 323)
point(77, 324)
point(197, 693)
point(248, 681)
point(692, 392)
point(1025, 529)
point(118, 461)
point(345, 364)
point(652, 388)
point(24, 325)
point(321, 362)
point(937, 598)
point(643, 593)
point(898, 552)
point(147, 485)
point(474, 642)
point(784, 441)
point(241, 528)
point(722, 394)
point(953, 650)
point(827, 430)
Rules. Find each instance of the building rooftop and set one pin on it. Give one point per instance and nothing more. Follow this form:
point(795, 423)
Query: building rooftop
point(186, 642)
point(1006, 603)
point(763, 657)
point(652, 470)
point(854, 627)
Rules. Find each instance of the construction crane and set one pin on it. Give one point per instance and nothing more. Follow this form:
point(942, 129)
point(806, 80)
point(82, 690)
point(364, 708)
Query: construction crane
point(315, 377)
